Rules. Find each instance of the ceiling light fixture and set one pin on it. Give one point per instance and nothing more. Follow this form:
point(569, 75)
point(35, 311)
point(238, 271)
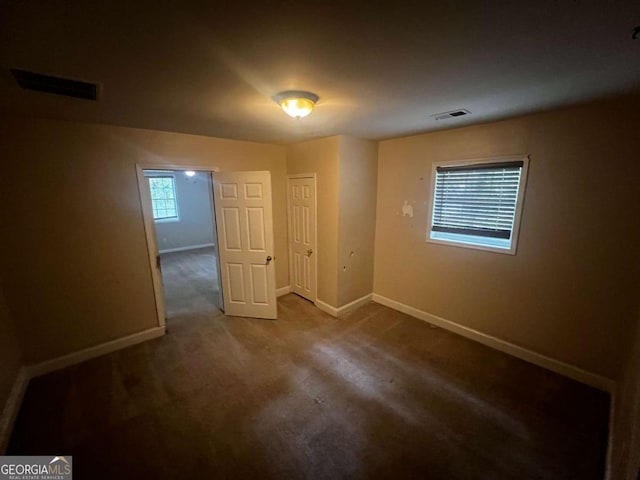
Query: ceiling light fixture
point(296, 103)
point(189, 173)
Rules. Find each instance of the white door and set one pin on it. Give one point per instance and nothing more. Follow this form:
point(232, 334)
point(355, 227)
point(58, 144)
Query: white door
point(302, 236)
point(245, 234)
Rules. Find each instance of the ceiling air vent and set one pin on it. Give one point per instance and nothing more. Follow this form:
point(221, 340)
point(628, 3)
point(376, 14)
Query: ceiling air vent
point(56, 85)
point(451, 114)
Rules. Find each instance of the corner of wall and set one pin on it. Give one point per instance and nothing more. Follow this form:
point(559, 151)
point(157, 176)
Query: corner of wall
point(13, 380)
point(624, 437)
point(11, 407)
point(358, 173)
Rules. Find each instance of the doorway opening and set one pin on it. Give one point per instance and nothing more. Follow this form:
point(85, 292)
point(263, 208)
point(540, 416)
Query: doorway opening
point(235, 275)
point(185, 235)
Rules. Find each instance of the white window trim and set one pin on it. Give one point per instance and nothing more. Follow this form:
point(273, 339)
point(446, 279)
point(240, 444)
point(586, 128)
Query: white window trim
point(165, 173)
point(518, 213)
point(167, 220)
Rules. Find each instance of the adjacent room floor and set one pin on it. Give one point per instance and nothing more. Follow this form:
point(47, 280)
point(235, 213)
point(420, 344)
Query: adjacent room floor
point(376, 394)
point(191, 284)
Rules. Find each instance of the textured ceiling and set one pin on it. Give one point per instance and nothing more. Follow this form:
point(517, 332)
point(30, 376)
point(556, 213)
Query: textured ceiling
point(381, 69)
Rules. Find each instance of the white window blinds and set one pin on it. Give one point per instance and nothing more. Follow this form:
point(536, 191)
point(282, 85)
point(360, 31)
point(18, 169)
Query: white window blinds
point(478, 199)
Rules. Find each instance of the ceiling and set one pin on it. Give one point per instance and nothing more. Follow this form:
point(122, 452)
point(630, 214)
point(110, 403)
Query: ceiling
point(381, 69)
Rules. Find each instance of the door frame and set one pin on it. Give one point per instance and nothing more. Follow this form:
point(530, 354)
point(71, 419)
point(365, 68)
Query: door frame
point(315, 230)
point(153, 251)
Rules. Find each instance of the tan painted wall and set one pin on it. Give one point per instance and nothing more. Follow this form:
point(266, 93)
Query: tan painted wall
point(74, 247)
point(568, 292)
point(625, 449)
point(321, 157)
point(358, 175)
point(10, 358)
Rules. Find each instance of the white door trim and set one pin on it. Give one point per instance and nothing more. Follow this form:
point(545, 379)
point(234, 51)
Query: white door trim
point(150, 230)
point(153, 251)
point(315, 229)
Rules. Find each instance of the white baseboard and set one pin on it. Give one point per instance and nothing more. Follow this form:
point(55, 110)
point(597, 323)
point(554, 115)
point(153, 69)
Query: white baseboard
point(357, 303)
point(576, 373)
point(74, 358)
point(283, 291)
point(343, 310)
point(325, 307)
point(26, 373)
point(12, 407)
point(182, 249)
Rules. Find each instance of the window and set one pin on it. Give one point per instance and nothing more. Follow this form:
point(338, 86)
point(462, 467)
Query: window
point(477, 204)
point(163, 197)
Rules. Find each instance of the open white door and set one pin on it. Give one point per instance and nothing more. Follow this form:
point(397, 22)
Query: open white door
point(245, 235)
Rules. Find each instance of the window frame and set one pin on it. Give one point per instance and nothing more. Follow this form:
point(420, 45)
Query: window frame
point(522, 186)
point(164, 174)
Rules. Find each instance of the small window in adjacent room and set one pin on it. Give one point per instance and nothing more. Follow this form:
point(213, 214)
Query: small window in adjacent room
point(477, 204)
point(163, 197)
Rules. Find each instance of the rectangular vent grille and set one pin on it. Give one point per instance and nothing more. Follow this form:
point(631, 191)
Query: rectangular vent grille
point(451, 114)
point(55, 85)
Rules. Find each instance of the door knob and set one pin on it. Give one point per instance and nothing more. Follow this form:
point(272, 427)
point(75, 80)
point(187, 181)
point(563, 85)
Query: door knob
point(309, 252)
point(269, 259)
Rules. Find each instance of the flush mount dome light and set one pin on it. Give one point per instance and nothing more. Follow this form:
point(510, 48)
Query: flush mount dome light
point(189, 173)
point(296, 103)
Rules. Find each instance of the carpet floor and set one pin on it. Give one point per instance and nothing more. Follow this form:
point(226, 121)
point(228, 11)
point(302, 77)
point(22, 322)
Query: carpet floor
point(375, 394)
point(190, 283)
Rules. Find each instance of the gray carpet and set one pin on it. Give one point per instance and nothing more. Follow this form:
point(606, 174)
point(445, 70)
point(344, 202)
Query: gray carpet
point(376, 394)
point(191, 284)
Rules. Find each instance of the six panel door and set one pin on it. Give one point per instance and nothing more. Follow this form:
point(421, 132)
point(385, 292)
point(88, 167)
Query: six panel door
point(245, 241)
point(302, 236)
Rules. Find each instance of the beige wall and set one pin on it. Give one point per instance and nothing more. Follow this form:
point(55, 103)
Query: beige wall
point(75, 251)
point(321, 157)
point(358, 173)
point(568, 292)
point(10, 358)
